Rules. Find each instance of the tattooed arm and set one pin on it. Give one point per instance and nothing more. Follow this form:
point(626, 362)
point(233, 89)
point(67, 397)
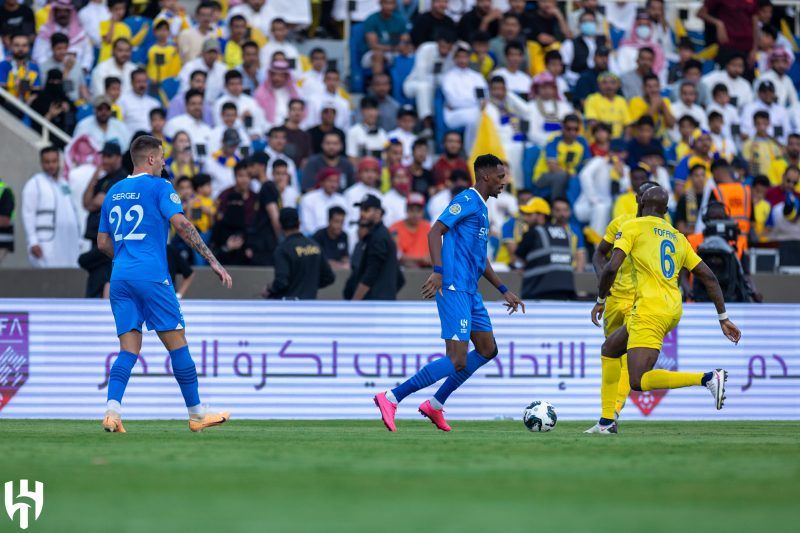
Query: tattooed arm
point(190, 236)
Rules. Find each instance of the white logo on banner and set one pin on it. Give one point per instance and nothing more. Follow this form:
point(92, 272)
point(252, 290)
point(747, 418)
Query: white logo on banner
point(23, 508)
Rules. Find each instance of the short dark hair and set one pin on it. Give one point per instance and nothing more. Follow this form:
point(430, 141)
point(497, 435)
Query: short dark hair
point(645, 120)
point(551, 55)
point(647, 49)
point(276, 129)
point(191, 93)
point(206, 4)
point(695, 167)
point(368, 102)
point(121, 40)
point(419, 142)
point(241, 165)
point(317, 50)
point(200, 179)
point(793, 136)
point(513, 45)
point(719, 88)
point(720, 163)
point(142, 145)
point(560, 199)
point(237, 17)
point(158, 111)
point(296, 101)
point(196, 73)
point(335, 210)
point(604, 126)
point(453, 132)
point(279, 163)
point(445, 34)
point(58, 38)
point(111, 80)
point(279, 20)
point(714, 115)
point(182, 179)
point(250, 44)
point(690, 118)
point(228, 105)
point(571, 118)
point(761, 179)
point(497, 79)
point(760, 114)
point(648, 77)
point(693, 63)
point(47, 150)
point(136, 72)
point(486, 162)
point(480, 37)
point(232, 75)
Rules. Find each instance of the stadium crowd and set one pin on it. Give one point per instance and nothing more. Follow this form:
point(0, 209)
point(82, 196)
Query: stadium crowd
point(581, 105)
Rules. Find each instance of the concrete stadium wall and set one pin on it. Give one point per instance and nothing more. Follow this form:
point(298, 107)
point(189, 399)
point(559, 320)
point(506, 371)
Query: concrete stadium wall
point(248, 283)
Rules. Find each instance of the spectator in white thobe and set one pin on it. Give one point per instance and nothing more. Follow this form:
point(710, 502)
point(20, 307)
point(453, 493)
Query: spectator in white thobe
point(463, 91)
point(136, 104)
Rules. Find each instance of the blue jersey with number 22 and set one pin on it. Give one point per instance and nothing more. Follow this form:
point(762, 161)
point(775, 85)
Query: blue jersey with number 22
point(135, 214)
point(464, 246)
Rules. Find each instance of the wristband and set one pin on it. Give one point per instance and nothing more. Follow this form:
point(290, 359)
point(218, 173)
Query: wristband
point(503, 289)
point(601, 300)
point(723, 316)
point(437, 269)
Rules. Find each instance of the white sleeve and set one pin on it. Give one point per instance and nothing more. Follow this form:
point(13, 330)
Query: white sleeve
point(29, 203)
point(567, 53)
point(98, 80)
point(700, 226)
point(587, 178)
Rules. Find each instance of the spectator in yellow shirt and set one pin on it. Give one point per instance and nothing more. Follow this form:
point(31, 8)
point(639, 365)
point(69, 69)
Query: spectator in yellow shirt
point(761, 150)
point(792, 159)
point(653, 105)
point(607, 106)
point(761, 207)
point(113, 29)
point(163, 60)
point(626, 203)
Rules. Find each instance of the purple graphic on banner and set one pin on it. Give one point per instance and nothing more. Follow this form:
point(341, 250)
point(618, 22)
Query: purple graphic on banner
point(13, 354)
point(646, 401)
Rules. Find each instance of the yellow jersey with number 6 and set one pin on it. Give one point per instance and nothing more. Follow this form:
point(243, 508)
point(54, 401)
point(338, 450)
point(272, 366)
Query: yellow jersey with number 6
point(657, 252)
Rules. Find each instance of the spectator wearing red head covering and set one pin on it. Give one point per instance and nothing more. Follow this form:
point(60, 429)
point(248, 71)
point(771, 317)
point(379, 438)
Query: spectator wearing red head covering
point(276, 92)
point(314, 205)
point(64, 19)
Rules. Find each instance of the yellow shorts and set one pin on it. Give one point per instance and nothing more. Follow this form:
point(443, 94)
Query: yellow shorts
point(616, 314)
point(647, 329)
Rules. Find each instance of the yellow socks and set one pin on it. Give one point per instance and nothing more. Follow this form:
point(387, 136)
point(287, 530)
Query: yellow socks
point(610, 370)
point(624, 388)
point(664, 379)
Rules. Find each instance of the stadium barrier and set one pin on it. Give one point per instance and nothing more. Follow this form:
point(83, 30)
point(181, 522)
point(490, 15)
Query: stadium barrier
point(307, 360)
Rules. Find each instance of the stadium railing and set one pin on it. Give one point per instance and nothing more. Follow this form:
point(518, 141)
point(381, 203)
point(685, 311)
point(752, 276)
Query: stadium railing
point(48, 129)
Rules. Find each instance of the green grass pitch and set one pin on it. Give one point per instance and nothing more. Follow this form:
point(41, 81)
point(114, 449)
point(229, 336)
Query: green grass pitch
point(350, 476)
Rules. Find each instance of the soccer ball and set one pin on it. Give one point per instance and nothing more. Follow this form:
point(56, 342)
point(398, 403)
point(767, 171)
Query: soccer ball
point(540, 416)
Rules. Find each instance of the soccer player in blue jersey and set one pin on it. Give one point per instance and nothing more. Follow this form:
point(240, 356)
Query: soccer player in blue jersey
point(134, 227)
point(457, 243)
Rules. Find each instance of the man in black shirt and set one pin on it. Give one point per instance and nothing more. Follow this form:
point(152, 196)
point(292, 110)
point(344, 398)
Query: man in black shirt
point(333, 239)
point(376, 270)
point(426, 24)
point(96, 263)
point(547, 24)
point(15, 18)
point(482, 17)
point(300, 268)
point(332, 156)
point(327, 125)
point(267, 226)
point(178, 264)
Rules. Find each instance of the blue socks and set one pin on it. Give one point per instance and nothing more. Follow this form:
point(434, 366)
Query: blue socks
point(427, 375)
point(474, 362)
point(119, 375)
point(186, 375)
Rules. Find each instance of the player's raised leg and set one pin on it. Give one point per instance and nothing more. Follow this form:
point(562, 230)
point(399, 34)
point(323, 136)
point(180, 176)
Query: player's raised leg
point(185, 372)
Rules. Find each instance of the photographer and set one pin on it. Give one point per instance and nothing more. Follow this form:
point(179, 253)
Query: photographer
point(722, 246)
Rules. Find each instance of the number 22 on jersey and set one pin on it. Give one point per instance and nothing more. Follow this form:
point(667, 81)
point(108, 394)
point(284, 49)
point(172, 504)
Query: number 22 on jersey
point(134, 214)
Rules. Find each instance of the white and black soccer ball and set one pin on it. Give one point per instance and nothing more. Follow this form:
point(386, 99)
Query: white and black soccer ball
point(540, 416)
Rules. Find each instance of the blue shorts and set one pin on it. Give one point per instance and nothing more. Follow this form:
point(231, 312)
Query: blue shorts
point(136, 302)
point(461, 313)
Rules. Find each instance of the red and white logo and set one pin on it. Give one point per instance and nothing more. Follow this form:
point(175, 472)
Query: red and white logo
point(13, 354)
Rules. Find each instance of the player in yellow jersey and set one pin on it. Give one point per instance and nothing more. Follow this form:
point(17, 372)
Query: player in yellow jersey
point(657, 253)
point(614, 386)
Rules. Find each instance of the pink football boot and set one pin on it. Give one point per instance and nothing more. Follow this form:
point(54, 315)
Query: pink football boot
point(388, 410)
point(436, 416)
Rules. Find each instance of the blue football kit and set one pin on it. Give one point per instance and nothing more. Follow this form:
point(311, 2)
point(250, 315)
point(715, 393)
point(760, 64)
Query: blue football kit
point(136, 214)
point(461, 307)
